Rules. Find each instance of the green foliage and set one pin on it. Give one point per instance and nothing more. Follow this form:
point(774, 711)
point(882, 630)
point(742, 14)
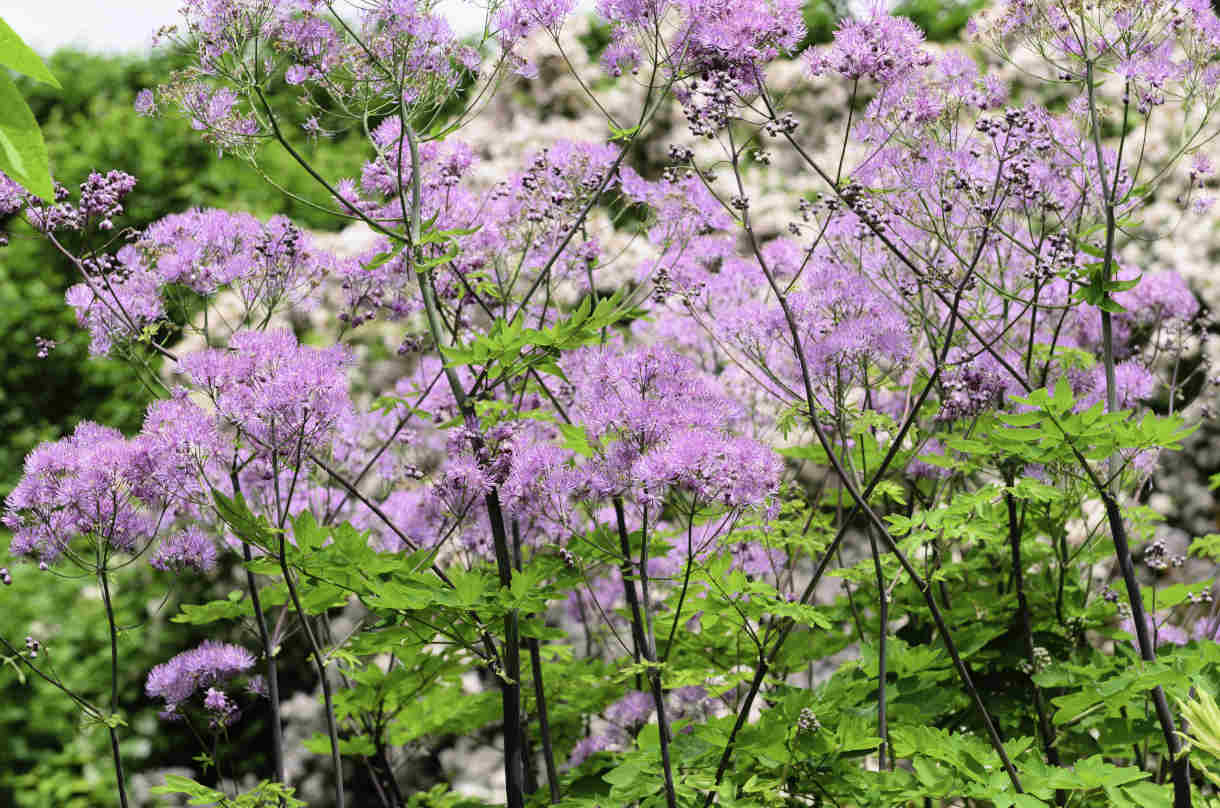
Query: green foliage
point(264, 795)
point(23, 154)
point(48, 754)
point(510, 349)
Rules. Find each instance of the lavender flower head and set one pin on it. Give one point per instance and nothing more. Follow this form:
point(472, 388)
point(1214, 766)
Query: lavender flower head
point(121, 297)
point(93, 483)
point(662, 424)
point(286, 398)
point(188, 549)
point(202, 668)
point(631, 710)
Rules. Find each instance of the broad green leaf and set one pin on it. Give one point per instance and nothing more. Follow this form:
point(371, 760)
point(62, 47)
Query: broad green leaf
point(23, 154)
point(20, 58)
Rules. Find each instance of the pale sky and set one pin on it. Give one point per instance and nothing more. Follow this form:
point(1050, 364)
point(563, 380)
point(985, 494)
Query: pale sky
point(127, 25)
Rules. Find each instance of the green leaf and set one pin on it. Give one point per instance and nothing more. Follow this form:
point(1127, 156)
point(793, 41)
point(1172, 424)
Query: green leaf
point(238, 516)
point(23, 154)
point(623, 134)
point(576, 439)
point(432, 263)
point(19, 57)
point(384, 257)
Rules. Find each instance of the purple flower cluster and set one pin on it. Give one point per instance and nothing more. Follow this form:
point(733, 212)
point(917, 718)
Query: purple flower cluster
point(119, 299)
point(661, 425)
point(188, 549)
point(94, 483)
point(120, 492)
point(881, 49)
point(206, 667)
point(282, 397)
point(385, 43)
point(207, 250)
point(268, 265)
point(975, 384)
point(101, 200)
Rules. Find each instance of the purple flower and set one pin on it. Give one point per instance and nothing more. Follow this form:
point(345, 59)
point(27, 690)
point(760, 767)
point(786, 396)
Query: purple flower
point(118, 301)
point(211, 663)
point(297, 74)
point(631, 710)
point(190, 548)
point(284, 397)
point(1133, 382)
point(221, 709)
point(268, 265)
point(659, 424)
point(975, 384)
point(146, 102)
point(587, 747)
point(917, 467)
point(94, 483)
point(881, 48)
point(1164, 632)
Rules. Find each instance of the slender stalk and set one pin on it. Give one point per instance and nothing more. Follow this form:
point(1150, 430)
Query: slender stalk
point(544, 719)
point(332, 728)
point(1118, 529)
point(1045, 730)
point(510, 680)
point(883, 614)
point(273, 683)
point(103, 581)
point(643, 650)
point(1179, 760)
point(849, 483)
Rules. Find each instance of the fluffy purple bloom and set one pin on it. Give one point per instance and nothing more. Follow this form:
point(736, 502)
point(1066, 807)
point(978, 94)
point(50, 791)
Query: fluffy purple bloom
point(631, 710)
point(1157, 297)
point(976, 384)
point(117, 302)
point(212, 663)
point(517, 19)
point(257, 686)
point(284, 397)
point(94, 483)
point(661, 424)
point(922, 469)
point(755, 558)
point(146, 102)
point(845, 322)
point(187, 549)
point(1132, 381)
point(182, 442)
point(587, 747)
point(881, 48)
point(206, 250)
point(732, 471)
point(1164, 632)
point(1205, 629)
